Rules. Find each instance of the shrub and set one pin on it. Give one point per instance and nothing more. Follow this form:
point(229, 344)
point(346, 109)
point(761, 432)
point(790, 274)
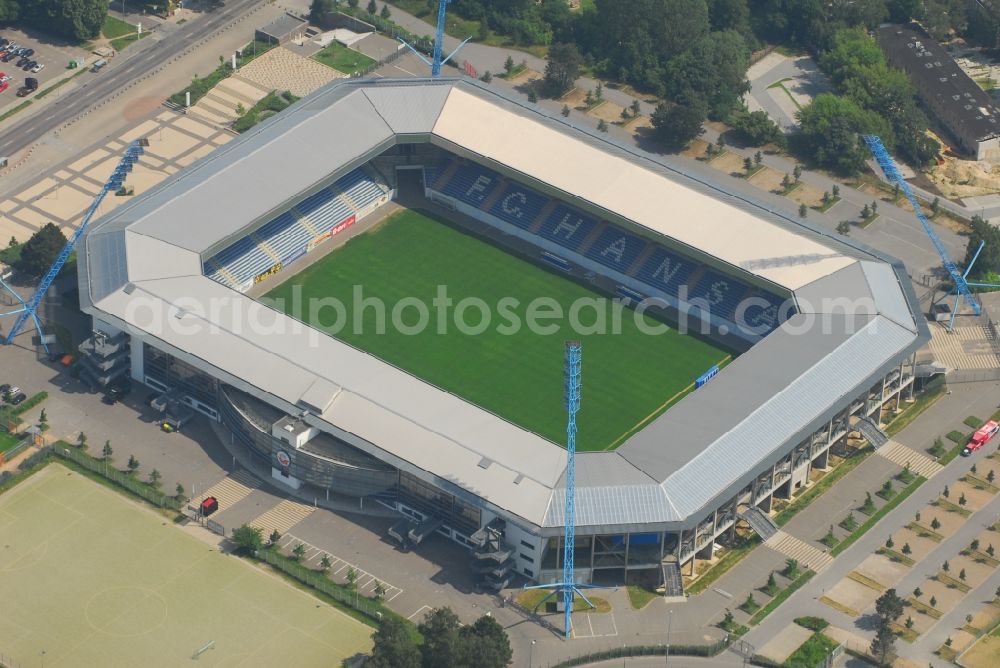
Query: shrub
point(956, 437)
point(972, 421)
point(812, 623)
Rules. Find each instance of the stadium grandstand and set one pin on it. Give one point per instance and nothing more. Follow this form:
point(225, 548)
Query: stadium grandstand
point(824, 330)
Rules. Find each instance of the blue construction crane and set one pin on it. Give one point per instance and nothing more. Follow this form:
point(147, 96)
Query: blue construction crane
point(568, 587)
point(436, 62)
point(958, 278)
point(29, 309)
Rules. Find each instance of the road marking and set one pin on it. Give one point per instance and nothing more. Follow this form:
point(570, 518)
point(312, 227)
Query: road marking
point(419, 611)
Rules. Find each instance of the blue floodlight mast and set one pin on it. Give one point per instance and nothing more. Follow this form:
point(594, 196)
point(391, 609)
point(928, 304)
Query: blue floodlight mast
point(958, 278)
point(436, 62)
point(572, 384)
point(29, 309)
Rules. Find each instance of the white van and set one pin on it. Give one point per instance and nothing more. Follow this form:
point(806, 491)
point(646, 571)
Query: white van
point(99, 65)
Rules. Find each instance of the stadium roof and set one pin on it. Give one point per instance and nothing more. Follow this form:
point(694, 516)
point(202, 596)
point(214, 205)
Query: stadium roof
point(143, 272)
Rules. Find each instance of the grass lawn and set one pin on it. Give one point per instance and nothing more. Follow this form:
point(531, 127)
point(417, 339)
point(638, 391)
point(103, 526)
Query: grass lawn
point(343, 59)
point(507, 369)
point(8, 441)
point(120, 33)
point(95, 579)
point(811, 652)
point(532, 598)
point(639, 597)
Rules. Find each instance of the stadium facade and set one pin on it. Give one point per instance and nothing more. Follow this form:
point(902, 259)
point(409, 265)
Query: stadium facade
point(826, 329)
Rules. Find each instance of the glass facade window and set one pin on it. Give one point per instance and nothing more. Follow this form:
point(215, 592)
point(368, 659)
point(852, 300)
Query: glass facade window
point(430, 500)
point(180, 375)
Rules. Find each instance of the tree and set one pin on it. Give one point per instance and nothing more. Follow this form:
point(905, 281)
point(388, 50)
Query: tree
point(935, 524)
point(487, 77)
point(319, 9)
point(772, 583)
point(565, 110)
point(107, 451)
point(786, 182)
point(962, 500)
point(961, 575)
point(843, 227)
point(791, 569)
point(602, 125)
point(179, 493)
point(379, 590)
point(945, 567)
point(40, 251)
point(133, 464)
point(440, 632)
point(353, 4)
point(874, 207)
point(484, 644)
point(508, 65)
point(889, 543)
point(154, 479)
point(989, 259)
point(748, 165)
point(599, 91)
point(836, 190)
point(74, 19)
point(917, 592)
point(866, 212)
point(352, 576)
point(797, 173)
point(247, 539)
point(532, 95)
point(713, 70)
point(803, 210)
point(325, 563)
point(973, 469)
point(990, 476)
point(906, 549)
point(562, 68)
point(385, 13)
point(830, 129)
point(635, 107)
point(675, 125)
point(755, 128)
point(372, 8)
point(889, 606)
point(935, 206)
point(298, 552)
point(758, 158)
point(933, 601)
point(81, 441)
point(393, 647)
point(909, 622)
point(274, 537)
point(946, 492)
point(8, 10)
point(883, 645)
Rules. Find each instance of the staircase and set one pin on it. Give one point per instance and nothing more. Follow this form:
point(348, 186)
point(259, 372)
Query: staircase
point(673, 585)
point(807, 555)
point(760, 522)
point(872, 432)
point(920, 464)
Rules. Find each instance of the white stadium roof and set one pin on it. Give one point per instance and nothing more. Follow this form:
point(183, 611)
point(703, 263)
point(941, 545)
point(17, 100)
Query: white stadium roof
point(143, 268)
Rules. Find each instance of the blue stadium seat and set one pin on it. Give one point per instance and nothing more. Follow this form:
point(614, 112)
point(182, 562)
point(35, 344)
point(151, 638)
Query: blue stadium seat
point(518, 205)
point(567, 227)
point(720, 294)
point(665, 271)
point(616, 248)
point(472, 184)
point(762, 318)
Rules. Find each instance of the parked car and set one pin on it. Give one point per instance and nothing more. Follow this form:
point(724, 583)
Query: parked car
point(4, 42)
point(4, 86)
point(28, 65)
point(28, 53)
point(19, 398)
point(4, 76)
point(981, 437)
point(21, 61)
point(4, 389)
point(9, 57)
point(37, 67)
point(117, 392)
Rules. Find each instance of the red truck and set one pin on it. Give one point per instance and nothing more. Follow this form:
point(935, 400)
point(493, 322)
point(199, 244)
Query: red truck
point(980, 438)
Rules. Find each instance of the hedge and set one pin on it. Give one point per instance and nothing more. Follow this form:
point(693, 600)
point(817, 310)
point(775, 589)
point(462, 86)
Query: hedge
point(30, 403)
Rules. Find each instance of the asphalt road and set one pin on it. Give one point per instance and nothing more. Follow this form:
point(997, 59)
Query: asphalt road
point(126, 68)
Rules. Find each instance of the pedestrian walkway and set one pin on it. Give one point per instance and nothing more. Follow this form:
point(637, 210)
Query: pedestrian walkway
point(919, 464)
point(807, 555)
point(281, 517)
point(963, 348)
point(230, 490)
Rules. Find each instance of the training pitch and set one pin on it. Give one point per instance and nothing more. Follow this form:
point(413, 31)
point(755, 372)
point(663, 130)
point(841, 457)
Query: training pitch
point(513, 372)
point(91, 578)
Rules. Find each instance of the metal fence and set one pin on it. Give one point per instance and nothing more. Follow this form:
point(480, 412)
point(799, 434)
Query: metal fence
point(320, 582)
point(124, 480)
point(643, 650)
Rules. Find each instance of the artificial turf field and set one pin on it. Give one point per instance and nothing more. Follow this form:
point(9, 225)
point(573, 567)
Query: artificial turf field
point(627, 377)
point(93, 579)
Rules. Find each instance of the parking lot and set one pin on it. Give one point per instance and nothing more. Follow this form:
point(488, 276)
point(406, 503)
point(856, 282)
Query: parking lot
point(53, 54)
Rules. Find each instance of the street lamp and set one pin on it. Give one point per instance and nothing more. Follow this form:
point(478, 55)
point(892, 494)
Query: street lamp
point(670, 618)
point(531, 653)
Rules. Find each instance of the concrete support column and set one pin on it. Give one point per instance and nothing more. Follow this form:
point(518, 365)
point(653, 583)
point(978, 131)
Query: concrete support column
point(822, 460)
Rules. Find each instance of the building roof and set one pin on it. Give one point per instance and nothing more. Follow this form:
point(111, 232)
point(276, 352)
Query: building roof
point(143, 271)
point(936, 75)
point(283, 26)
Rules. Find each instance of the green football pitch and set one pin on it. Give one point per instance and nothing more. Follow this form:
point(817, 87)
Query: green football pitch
point(91, 578)
point(515, 373)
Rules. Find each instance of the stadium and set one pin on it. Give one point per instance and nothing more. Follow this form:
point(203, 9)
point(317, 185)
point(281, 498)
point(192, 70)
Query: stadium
point(773, 340)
